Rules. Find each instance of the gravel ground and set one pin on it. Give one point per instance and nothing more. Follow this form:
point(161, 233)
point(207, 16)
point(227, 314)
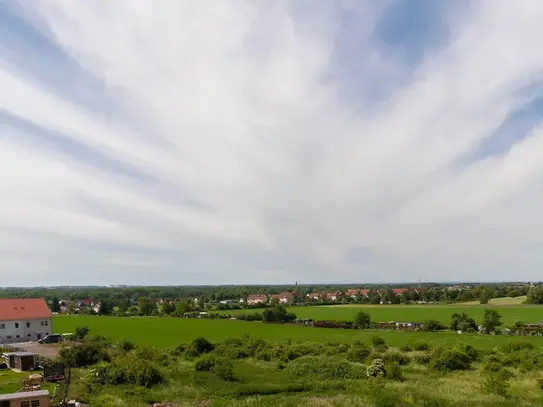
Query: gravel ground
point(48, 351)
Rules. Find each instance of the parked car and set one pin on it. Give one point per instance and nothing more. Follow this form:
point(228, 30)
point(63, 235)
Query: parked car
point(53, 338)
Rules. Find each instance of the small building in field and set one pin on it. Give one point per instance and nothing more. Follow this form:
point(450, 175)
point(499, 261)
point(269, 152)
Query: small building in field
point(27, 319)
point(39, 398)
point(23, 361)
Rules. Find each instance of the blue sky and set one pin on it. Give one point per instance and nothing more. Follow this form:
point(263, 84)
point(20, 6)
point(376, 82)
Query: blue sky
point(338, 141)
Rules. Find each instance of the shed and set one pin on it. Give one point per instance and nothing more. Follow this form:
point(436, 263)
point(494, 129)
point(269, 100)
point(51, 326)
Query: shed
point(24, 361)
point(39, 398)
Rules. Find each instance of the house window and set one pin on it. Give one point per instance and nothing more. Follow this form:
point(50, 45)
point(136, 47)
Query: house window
point(2, 326)
point(41, 323)
point(16, 325)
point(46, 323)
point(35, 403)
point(25, 403)
point(28, 324)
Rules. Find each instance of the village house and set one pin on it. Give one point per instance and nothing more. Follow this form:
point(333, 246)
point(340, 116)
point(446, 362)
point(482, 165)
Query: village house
point(283, 298)
point(253, 299)
point(26, 319)
point(333, 296)
point(400, 291)
point(316, 296)
point(364, 292)
point(351, 293)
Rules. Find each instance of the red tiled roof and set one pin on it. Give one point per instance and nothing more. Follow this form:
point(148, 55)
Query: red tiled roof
point(257, 296)
point(399, 290)
point(28, 308)
point(364, 291)
point(351, 292)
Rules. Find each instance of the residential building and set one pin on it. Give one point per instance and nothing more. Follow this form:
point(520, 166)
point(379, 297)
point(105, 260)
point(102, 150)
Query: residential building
point(399, 291)
point(333, 296)
point(253, 299)
point(283, 298)
point(364, 292)
point(351, 293)
point(316, 296)
point(24, 320)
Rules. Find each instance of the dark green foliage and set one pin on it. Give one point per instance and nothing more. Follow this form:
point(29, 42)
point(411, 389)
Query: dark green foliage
point(81, 333)
point(432, 325)
point(84, 354)
point(278, 313)
point(491, 320)
point(326, 368)
point(135, 371)
point(125, 345)
point(377, 340)
point(397, 357)
point(498, 382)
point(362, 320)
point(516, 345)
point(422, 358)
point(473, 354)
point(450, 360)
point(393, 371)
point(199, 346)
point(406, 348)
point(358, 353)
point(420, 345)
point(463, 322)
point(224, 369)
point(205, 363)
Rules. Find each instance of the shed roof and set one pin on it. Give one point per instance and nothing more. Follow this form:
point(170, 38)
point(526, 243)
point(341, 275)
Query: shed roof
point(23, 395)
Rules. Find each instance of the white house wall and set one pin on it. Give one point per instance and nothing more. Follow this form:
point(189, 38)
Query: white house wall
point(10, 333)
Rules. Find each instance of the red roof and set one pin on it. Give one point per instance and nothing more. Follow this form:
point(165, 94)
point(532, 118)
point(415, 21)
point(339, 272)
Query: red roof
point(27, 308)
point(399, 290)
point(364, 291)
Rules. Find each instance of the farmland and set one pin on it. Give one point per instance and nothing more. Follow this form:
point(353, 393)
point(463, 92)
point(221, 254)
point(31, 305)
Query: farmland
point(169, 332)
point(417, 313)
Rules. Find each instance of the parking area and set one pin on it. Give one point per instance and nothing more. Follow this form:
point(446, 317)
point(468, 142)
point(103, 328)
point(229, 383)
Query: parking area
point(47, 351)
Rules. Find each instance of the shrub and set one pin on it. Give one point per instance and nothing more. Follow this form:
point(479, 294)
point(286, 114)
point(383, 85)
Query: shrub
point(125, 345)
point(224, 369)
point(84, 354)
point(469, 350)
point(406, 348)
point(420, 345)
point(358, 353)
point(393, 371)
point(133, 371)
point(397, 357)
point(450, 360)
point(198, 347)
point(326, 368)
point(377, 341)
point(432, 325)
point(377, 368)
point(81, 332)
point(205, 363)
point(422, 358)
point(516, 345)
point(498, 382)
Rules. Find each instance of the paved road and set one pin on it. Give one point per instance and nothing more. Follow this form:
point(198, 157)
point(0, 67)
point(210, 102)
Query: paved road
point(48, 351)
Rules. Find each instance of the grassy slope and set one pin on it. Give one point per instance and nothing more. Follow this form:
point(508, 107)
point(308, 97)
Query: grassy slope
point(169, 332)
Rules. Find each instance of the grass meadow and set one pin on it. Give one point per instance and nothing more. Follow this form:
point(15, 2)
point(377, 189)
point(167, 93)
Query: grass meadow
point(169, 332)
point(510, 311)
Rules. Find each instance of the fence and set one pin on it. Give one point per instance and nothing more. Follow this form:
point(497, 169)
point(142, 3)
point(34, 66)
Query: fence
point(41, 360)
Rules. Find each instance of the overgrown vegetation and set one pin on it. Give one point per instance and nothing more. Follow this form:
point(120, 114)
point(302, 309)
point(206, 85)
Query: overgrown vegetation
point(257, 372)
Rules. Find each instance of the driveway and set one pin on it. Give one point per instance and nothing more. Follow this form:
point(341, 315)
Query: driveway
point(47, 351)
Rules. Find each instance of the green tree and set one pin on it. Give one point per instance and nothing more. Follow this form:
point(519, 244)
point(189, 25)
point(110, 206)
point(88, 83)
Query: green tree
point(181, 308)
point(55, 305)
point(463, 322)
point(106, 308)
point(491, 320)
point(168, 308)
point(362, 320)
point(146, 305)
point(432, 325)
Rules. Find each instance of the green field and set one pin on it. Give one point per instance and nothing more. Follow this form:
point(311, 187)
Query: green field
point(414, 313)
point(169, 332)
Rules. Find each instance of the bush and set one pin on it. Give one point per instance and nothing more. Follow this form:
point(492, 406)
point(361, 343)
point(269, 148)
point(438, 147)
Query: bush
point(432, 325)
point(377, 368)
point(358, 353)
point(450, 360)
point(398, 357)
point(406, 348)
point(420, 345)
point(377, 341)
point(198, 347)
point(326, 368)
point(393, 371)
point(125, 345)
point(422, 359)
point(133, 371)
point(469, 350)
point(224, 369)
point(81, 333)
point(498, 382)
point(84, 354)
point(516, 345)
point(205, 363)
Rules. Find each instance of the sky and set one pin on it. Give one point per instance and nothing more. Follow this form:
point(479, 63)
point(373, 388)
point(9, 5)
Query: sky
point(255, 142)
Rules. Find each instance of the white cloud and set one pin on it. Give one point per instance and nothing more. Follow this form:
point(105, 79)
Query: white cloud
point(255, 168)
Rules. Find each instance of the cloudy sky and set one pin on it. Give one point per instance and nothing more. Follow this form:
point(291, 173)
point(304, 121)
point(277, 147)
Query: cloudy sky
point(194, 142)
